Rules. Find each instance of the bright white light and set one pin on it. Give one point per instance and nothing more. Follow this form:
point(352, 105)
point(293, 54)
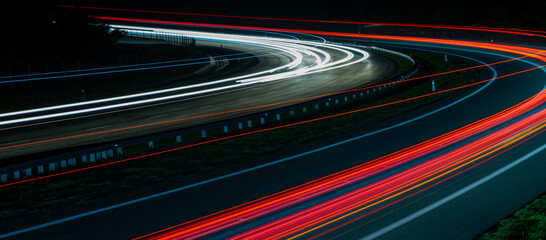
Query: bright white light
point(301, 53)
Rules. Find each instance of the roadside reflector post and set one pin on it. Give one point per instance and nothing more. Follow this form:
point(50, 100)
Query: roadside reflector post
point(249, 123)
point(262, 120)
point(72, 162)
point(204, 133)
point(433, 86)
point(240, 124)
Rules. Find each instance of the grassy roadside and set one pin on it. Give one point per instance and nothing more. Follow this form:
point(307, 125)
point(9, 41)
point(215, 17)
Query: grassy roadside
point(527, 223)
point(44, 196)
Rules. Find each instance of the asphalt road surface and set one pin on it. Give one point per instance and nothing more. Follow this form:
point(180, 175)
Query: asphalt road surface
point(465, 204)
point(296, 87)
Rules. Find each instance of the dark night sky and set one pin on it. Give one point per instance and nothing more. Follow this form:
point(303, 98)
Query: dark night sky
point(520, 14)
point(27, 20)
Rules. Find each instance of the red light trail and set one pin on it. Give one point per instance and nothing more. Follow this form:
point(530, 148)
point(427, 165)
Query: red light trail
point(331, 211)
point(389, 190)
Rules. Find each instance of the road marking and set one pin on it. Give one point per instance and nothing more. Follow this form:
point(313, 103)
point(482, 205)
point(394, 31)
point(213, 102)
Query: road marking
point(16, 142)
point(95, 128)
point(454, 195)
point(161, 115)
point(123, 204)
point(208, 106)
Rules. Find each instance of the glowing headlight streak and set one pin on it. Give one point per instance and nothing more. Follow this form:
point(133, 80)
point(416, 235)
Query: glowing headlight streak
point(319, 63)
point(514, 111)
point(210, 224)
point(527, 106)
point(414, 155)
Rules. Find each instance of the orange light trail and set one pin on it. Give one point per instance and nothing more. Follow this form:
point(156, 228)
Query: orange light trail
point(234, 216)
point(389, 188)
point(379, 192)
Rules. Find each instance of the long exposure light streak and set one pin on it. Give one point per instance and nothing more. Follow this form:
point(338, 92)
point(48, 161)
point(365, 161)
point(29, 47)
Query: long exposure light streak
point(262, 106)
point(282, 126)
point(320, 64)
point(509, 114)
point(525, 32)
point(340, 208)
point(494, 134)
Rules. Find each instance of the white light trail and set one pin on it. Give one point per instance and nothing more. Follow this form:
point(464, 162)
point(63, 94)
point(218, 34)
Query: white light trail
point(307, 58)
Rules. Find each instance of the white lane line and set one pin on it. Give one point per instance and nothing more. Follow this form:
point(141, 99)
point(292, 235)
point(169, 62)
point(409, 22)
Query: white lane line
point(123, 204)
point(16, 142)
point(444, 200)
point(96, 128)
point(161, 115)
point(208, 106)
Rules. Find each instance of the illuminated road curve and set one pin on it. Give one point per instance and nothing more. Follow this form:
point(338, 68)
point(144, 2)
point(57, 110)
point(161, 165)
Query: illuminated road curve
point(289, 69)
point(440, 153)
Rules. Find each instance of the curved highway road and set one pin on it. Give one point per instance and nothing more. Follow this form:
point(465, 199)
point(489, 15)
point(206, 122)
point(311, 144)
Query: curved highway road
point(448, 170)
point(288, 69)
